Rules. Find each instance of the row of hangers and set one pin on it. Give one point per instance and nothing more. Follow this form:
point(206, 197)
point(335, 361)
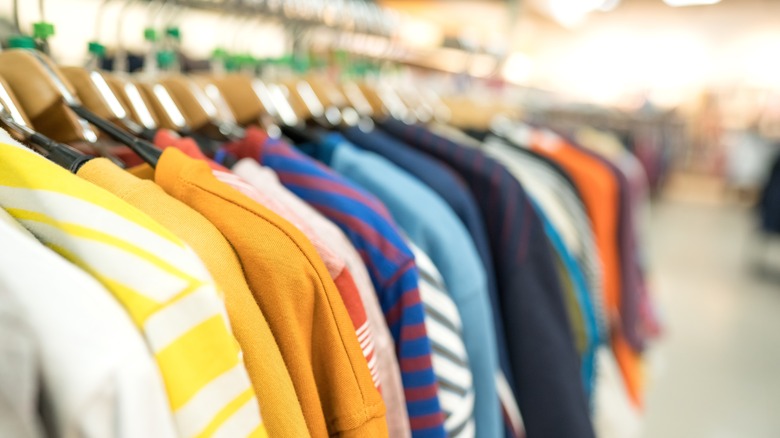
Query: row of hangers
point(63, 110)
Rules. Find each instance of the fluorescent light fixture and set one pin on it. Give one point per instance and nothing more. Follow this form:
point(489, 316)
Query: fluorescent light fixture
point(517, 68)
point(571, 13)
point(680, 3)
point(608, 5)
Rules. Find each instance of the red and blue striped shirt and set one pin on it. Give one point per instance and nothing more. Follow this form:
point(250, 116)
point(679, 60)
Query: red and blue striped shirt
point(390, 262)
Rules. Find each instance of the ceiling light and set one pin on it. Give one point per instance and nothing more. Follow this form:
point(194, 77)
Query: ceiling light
point(608, 5)
point(679, 3)
point(571, 13)
point(517, 68)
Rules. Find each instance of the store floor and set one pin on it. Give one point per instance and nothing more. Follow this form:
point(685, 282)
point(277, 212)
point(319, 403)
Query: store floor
point(717, 370)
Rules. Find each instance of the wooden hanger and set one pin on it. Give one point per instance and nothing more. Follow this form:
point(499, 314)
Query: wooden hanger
point(13, 109)
point(99, 97)
point(372, 97)
point(332, 99)
point(44, 95)
point(40, 86)
point(94, 92)
point(200, 112)
point(18, 125)
point(239, 94)
point(136, 103)
point(195, 107)
point(303, 99)
point(469, 113)
point(252, 98)
point(169, 114)
point(357, 99)
point(206, 84)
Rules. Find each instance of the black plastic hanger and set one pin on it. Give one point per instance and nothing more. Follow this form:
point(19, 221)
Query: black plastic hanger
point(146, 150)
point(63, 155)
point(300, 135)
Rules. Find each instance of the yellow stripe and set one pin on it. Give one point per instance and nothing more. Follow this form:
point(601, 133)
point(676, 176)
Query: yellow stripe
point(196, 358)
point(107, 239)
point(137, 305)
point(227, 412)
point(33, 172)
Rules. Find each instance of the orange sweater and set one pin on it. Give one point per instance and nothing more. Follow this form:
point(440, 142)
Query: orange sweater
point(295, 292)
point(275, 392)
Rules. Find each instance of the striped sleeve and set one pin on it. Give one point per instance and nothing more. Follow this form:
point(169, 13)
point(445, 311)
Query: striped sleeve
point(390, 263)
point(450, 359)
point(161, 283)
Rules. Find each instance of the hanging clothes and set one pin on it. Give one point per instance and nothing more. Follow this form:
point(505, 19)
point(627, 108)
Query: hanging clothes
point(446, 183)
point(306, 314)
point(372, 231)
point(450, 357)
point(560, 199)
point(438, 232)
point(336, 266)
point(769, 201)
point(158, 279)
point(270, 379)
point(389, 373)
point(91, 378)
point(602, 194)
point(552, 212)
point(544, 359)
point(408, 281)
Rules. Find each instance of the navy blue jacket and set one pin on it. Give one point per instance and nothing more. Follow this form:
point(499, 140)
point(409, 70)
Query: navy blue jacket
point(543, 358)
point(439, 177)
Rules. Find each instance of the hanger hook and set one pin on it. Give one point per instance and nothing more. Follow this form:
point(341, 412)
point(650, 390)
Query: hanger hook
point(40, 10)
point(175, 13)
point(99, 18)
point(120, 58)
point(151, 17)
point(242, 25)
point(16, 17)
point(167, 13)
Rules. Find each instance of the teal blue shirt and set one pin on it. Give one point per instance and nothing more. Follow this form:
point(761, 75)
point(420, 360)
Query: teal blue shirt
point(583, 299)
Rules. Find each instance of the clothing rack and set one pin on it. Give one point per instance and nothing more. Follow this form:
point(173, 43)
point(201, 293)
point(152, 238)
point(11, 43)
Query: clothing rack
point(298, 252)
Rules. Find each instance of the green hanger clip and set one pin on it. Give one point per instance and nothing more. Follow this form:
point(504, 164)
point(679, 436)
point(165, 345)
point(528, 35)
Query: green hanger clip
point(355, 70)
point(165, 58)
point(318, 62)
point(232, 62)
point(43, 30)
point(219, 53)
point(96, 49)
point(300, 63)
point(150, 34)
point(173, 32)
point(247, 60)
point(284, 61)
point(341, 57)
point(21, 42)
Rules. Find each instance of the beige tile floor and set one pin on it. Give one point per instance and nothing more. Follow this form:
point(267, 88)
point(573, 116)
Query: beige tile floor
point(716, 373)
